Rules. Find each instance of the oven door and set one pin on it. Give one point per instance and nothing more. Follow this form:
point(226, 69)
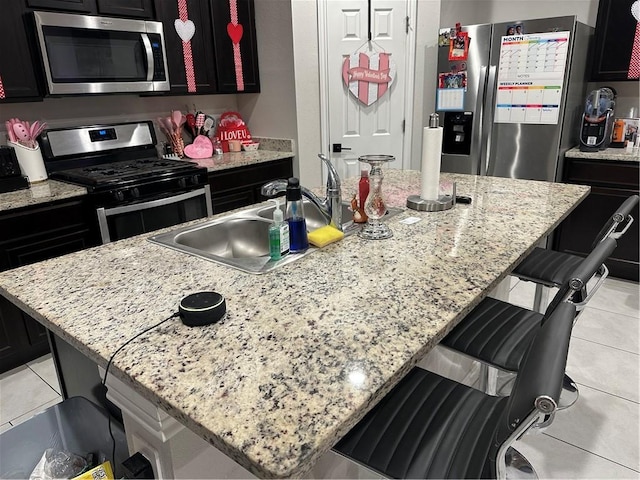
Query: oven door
point(89, 54)
point(126, 221)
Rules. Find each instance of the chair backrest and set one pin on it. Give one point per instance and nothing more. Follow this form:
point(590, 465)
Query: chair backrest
point(587, 268)
point(541, 372)
point(622, 214)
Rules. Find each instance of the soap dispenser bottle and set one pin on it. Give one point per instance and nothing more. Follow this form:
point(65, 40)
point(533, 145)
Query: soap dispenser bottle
point(278, 234)
point(298, 241)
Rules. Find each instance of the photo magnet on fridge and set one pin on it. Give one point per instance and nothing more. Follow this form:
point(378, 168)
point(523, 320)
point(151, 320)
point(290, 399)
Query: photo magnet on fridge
point(459, 46)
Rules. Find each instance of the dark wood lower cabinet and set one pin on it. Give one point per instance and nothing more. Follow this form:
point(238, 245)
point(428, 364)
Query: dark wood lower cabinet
point(239, 187)
point(22, 339)
point(611, 183)
point(30, 235)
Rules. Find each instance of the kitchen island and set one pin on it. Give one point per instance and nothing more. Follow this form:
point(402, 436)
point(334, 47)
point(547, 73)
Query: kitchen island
point(306, 350)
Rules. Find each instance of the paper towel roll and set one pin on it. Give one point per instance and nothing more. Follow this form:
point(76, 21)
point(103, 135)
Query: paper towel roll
point(431, 152)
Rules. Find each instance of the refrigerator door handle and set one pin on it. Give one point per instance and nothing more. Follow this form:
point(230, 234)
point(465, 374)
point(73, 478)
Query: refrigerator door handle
point(487, 121)
point(477, 145)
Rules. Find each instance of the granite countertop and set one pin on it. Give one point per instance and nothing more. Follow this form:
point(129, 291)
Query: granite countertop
point(306, 350)
point(51, 190)
point(270, 149)
point(41, 192)
point(619, 154)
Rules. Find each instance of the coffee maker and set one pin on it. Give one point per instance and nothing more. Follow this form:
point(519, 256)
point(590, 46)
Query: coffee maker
point(597, 120)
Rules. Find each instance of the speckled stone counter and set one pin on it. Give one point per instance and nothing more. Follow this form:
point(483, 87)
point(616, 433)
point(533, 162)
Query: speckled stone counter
point(620, 154)
point(270, 149)
point(41, 192)
point(306, 350)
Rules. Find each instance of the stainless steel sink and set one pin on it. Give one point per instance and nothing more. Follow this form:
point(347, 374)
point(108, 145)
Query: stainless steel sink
point(241, 240)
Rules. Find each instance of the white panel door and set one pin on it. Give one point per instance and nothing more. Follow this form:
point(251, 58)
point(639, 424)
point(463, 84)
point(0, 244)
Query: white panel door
point(366, 129)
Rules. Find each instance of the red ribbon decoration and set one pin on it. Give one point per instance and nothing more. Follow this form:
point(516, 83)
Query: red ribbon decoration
point(235, 31)
point(186, 49)
point(634, 63)
point(2, 95)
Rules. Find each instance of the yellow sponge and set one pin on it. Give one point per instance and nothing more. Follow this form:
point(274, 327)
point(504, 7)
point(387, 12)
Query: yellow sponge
point(324, 236)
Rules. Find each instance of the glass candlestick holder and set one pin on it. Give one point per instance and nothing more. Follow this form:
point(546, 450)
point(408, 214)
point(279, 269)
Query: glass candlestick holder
point(375, 206)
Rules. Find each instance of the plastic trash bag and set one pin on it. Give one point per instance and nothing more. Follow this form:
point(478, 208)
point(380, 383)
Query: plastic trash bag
point(58, 464)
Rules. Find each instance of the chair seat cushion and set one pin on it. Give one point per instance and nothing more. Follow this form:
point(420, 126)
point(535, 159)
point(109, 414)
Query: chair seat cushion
point(547, 267)
point(495, 332)
point(428, 427)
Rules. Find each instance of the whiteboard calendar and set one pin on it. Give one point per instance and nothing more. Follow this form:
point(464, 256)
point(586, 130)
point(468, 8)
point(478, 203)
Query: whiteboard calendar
point(531, 74)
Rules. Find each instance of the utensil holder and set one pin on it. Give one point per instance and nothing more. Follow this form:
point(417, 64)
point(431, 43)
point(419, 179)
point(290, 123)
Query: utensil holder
point(30, 161)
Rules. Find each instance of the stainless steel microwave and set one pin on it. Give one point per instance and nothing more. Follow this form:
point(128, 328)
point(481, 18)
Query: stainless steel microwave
point(83, 54)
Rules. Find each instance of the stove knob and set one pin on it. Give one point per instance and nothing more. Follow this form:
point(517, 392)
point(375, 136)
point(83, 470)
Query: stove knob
point(118, 195)
point(182, 182)
point(195, 180)
point(135, 193)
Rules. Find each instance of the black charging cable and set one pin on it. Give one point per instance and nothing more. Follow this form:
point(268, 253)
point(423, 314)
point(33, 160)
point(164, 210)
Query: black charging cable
point(106, 372)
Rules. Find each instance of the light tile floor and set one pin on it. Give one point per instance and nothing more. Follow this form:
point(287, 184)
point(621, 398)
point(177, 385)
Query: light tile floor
point(598, 437)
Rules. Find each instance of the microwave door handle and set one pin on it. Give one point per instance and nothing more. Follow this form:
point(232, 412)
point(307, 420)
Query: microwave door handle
point(147, 48)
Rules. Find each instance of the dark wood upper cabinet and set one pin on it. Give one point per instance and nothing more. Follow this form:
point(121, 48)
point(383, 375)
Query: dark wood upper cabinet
point(614, 36)
point(17, 72)
point(78, 6)
point(127, 8)
point(212, 47)
point(226, 55)
point(200, 42)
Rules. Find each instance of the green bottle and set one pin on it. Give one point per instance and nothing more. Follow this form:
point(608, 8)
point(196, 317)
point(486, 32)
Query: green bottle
point(278, 234)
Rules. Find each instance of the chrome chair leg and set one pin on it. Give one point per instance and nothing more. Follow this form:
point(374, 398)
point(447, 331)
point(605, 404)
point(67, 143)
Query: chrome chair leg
point(518, 467)
point(569, 394)
point(540, 298)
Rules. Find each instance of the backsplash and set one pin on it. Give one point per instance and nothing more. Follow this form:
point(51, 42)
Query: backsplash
point(75, 111)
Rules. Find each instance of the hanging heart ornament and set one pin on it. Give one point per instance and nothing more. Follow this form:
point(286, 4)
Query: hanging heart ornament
point(235, 32)
point(184, 29)
point(368, 76)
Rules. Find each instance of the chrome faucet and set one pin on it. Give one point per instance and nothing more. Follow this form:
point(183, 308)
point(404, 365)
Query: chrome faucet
point(331, 206)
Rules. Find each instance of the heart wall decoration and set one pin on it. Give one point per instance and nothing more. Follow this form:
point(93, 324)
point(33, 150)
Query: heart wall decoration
point(184, 29)
point(368, 76)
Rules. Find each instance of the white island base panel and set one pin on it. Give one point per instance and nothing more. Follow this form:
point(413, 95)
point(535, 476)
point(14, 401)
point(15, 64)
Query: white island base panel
point(175, 452)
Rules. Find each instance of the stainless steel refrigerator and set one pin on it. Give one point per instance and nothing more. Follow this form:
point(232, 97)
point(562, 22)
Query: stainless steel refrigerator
point(511, 96)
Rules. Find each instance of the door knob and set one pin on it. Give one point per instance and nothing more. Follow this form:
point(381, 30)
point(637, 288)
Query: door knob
point(337, 148)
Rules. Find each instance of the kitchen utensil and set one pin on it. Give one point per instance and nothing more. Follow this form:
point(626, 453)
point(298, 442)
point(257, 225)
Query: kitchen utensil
point(191, 124)
point(161, 124)
point(168, 124)
point(22, 134)
point(10, 133)
point(33, 129)
point(209, 125)
point(176, 117)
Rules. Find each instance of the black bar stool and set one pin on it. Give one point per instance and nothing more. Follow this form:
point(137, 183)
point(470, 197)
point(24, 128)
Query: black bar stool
point(548, 268)
point(498, 333)
point(431, 427)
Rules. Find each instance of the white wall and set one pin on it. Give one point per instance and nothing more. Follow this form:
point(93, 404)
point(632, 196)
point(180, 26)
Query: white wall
point(272, 113)
point(471, 12)
point(307, 85)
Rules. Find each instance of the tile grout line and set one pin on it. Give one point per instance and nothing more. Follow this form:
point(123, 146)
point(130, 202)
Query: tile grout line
point(590, 452)
point(41, 378)
point(605, 345)
point(607, 393)
point(36, 409)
